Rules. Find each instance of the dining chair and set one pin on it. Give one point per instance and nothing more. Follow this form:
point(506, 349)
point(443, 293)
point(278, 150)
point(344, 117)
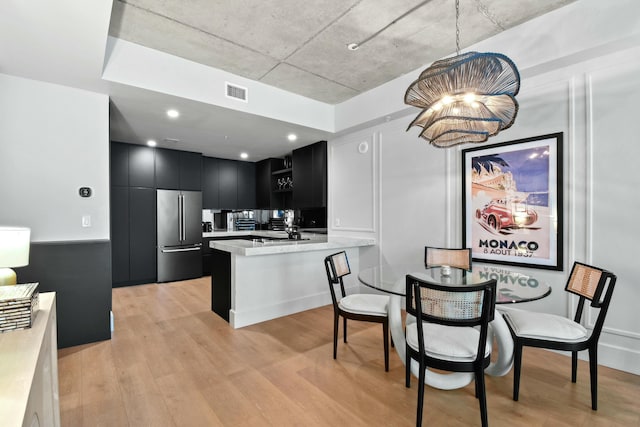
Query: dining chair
point(450, 332)
point(363, 307)
point(458, 258)
point(555, 332)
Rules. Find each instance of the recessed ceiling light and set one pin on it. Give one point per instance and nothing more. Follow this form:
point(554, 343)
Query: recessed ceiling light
point(173, 113)
point(151, 143)
point(244, 155)
point(292, 137)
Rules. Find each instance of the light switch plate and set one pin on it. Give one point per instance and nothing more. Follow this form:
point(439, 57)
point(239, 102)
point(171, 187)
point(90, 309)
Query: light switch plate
point(86, 220)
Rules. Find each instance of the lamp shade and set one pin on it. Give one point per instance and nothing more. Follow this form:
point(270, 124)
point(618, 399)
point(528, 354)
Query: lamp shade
point(14, 246)
point(467, 98)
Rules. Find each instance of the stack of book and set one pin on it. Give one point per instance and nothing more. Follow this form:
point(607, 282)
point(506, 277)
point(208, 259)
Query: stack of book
point(18, 306)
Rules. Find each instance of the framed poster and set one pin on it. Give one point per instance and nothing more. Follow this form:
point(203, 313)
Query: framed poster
point(512, 202)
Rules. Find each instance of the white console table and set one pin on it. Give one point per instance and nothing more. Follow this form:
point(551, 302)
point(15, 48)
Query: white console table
point(29, 371)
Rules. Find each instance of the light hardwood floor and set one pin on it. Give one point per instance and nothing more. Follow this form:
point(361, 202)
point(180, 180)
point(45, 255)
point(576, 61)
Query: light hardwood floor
point(173, 362)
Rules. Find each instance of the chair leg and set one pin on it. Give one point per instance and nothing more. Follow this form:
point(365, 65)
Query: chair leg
point(407, 369)
point(482, 397)
point(593, 372)
point(517, 366)
point(385, 332)
point(344, 335)
point(421, 376)
point(477, 384)
point(574, 366)
point(336, 320)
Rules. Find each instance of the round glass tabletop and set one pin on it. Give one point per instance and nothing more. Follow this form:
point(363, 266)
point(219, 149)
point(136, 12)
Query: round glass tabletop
point(512, 286)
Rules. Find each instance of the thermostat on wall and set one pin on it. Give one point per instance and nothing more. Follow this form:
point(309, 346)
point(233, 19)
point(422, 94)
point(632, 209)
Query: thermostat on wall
point(85, 191)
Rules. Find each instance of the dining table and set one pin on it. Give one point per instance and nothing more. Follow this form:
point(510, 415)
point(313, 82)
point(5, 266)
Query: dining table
point(513, 286)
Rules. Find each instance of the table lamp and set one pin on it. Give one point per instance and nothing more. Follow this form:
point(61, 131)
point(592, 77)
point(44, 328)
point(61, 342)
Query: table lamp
point(14, 252)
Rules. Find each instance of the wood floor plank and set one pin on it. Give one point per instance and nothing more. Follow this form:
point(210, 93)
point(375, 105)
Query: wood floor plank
point(171, 361)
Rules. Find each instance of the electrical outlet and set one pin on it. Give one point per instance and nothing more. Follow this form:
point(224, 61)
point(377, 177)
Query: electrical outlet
point(86, 220)
point(337, 222)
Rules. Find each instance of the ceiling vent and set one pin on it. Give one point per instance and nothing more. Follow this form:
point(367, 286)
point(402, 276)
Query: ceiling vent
point(171, 140)
point(237, 92)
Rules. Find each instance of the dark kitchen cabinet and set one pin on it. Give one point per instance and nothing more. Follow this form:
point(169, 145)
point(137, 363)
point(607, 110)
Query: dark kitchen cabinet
point(167, 169)
point(190, 171)
point(133, 235)
point(267, 195)
point(142, 235)
point(319, 175)
point(310, 176)
point(221, 283)
point(207, 256)
point(302, 177)
point(141, 166)
point(178, 170)
point(246, 185)
point(119, 233)
point(133, 213)
point(210, 188)
point(120, 164)
point(228, 183)
point(263, 184)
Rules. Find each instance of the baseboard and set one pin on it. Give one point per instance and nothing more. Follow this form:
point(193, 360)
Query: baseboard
point(250, 317)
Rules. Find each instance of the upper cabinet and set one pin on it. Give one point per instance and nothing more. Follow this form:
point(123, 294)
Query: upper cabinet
point(228, 184)
point(300, 183)
point(141, 166)
point(120, 164)
point(190, 171)
point(210, 189)
point(178, 170)
point(310, 176)
point(246, 185)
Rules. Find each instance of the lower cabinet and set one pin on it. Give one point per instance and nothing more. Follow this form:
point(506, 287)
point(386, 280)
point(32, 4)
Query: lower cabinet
point(119, 234)
point(221, 283)
point(133, 235)
point(207, 256)
point(142, 235)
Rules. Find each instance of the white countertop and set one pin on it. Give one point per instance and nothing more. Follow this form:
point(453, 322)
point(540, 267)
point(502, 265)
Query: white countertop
point(316, 242)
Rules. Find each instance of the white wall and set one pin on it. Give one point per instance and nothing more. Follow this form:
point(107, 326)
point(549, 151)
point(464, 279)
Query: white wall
point(575, 82)
point(53, 140)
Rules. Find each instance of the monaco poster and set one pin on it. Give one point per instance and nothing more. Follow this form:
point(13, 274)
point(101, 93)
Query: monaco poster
point(513, 202)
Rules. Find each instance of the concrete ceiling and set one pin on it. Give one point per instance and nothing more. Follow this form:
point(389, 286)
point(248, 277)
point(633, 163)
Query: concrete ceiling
point(301, 46)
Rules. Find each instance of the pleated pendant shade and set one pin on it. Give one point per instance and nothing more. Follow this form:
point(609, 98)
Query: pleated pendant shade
point(465, 99)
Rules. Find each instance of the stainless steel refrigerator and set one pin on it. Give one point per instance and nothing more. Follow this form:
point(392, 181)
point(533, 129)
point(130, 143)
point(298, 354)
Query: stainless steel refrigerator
point(179, 220)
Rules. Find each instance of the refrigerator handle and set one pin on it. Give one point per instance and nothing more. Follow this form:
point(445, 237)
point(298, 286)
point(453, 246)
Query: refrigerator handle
point(184, 220)
point(180, 217)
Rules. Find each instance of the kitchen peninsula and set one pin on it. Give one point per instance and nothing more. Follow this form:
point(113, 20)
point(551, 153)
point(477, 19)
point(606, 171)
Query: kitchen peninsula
point(265, 278)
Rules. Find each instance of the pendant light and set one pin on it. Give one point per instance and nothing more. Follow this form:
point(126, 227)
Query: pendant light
point(466, 98)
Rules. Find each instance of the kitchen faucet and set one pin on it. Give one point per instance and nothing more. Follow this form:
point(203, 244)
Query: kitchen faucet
point(293, 233)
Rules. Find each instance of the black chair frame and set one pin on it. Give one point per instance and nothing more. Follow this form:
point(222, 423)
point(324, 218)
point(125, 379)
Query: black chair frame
point(335, 279)
point(477, 366)
point(600, 300)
